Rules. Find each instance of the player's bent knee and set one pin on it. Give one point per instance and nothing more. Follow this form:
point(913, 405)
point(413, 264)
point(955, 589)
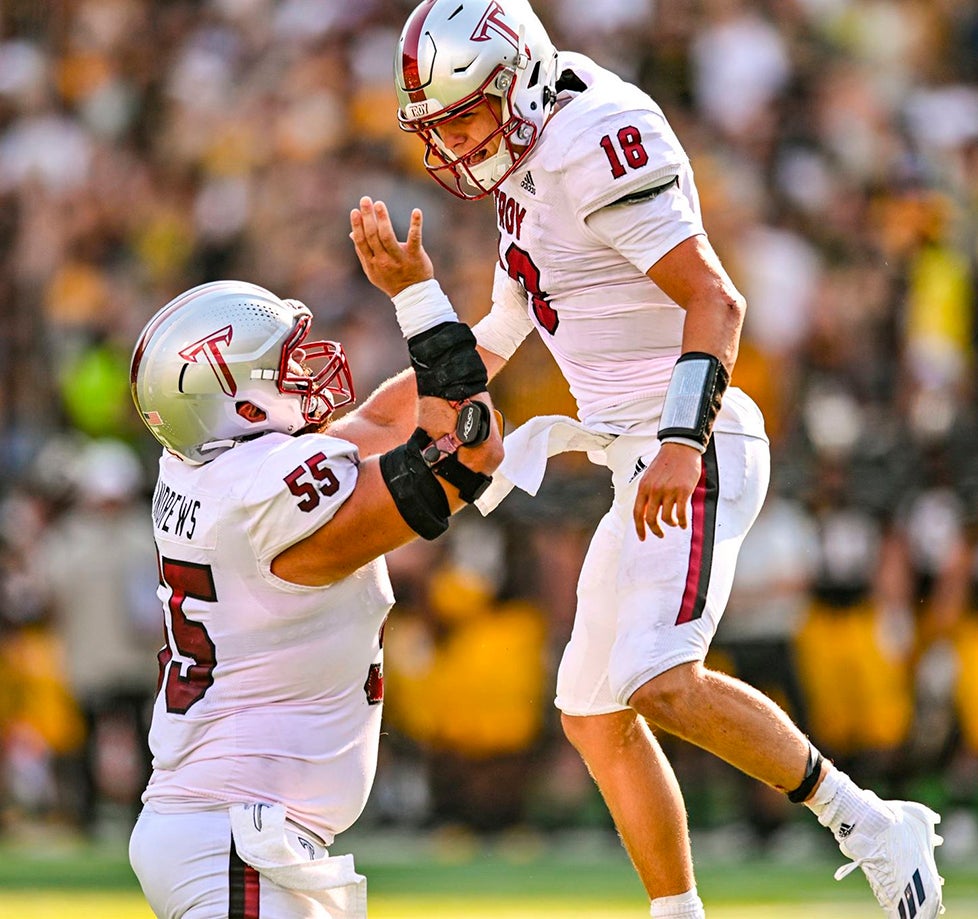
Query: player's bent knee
point(599, 735)
point(577, 730)
point(665, 699)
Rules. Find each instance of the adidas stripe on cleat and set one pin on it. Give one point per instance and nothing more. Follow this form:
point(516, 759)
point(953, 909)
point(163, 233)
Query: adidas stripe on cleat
point(913, 897)
point(899, 862)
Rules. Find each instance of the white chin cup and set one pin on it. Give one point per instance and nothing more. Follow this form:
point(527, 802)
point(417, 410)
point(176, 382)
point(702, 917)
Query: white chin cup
point(493, 168)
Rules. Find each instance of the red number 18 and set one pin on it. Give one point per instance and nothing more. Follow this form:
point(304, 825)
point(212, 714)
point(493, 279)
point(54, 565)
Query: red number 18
point(630, 141)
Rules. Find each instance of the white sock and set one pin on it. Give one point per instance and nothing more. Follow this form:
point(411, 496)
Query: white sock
point(684, 906)
point(841, 805)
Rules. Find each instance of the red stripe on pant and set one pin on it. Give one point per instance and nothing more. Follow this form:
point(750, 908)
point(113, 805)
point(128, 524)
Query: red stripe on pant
point(703, 533)
point(243, 888)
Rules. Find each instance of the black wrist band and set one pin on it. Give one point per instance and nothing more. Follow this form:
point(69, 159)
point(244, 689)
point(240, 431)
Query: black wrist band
point(813, 772)
point(473, 427)
point(470, 484)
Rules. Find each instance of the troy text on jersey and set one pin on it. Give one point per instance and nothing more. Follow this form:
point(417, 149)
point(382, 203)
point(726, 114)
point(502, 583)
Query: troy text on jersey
point(509, 214)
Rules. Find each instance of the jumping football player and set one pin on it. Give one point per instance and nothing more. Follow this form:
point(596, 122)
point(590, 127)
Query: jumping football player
point(603, 254)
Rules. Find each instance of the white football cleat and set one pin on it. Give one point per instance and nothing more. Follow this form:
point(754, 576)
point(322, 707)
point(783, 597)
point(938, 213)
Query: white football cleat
point(899, 862)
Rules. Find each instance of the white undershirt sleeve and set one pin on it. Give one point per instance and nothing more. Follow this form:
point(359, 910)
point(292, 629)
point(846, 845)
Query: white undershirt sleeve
point(646, 230)
point(503, 329)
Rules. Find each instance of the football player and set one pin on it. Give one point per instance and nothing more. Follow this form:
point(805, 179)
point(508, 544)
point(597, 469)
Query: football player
point(271, 523)
point(602, 252)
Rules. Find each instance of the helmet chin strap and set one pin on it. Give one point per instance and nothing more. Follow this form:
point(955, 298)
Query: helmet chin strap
point(317, 406)
point(500, 165)
point(217, 445)
point(494, 167)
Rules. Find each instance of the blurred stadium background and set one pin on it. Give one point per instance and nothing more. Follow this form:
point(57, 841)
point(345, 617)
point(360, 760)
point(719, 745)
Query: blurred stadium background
point(149, 146)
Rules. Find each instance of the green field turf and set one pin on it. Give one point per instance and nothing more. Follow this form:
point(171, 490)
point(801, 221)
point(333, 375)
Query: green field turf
point(120, 905)
point(461, 879)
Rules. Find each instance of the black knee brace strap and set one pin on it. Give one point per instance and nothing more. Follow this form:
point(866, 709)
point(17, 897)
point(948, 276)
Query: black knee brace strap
point(808, 783)
point(446, 363)
point(418, 495)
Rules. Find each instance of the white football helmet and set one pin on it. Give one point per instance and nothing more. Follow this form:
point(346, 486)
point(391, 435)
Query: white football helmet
point(227, 343)
point(452, 57)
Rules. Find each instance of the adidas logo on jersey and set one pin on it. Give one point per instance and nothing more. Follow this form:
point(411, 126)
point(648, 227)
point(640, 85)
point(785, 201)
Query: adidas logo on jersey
point(845, 829)
point(527, 184)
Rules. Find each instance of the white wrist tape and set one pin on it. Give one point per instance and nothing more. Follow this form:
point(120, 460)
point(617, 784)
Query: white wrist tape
point(422, 306)
point(686, 442)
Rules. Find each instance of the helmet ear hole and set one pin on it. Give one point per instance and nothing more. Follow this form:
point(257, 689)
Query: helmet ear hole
point(251, 412)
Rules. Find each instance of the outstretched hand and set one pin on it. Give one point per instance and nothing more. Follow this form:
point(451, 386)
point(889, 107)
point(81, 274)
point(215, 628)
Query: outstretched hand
point(389, 264)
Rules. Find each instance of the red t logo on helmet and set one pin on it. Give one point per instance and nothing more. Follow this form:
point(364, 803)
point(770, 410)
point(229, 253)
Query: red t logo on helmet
point(208, 346)
point(492, 19)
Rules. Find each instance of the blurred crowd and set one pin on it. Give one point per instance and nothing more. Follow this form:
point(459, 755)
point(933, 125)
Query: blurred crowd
point(149, 146)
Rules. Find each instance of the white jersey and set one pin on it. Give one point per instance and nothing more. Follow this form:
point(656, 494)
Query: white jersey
point(269, 691)
point(614, 334)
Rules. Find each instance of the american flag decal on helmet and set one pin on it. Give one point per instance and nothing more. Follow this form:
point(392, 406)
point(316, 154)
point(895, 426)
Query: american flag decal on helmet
point(153, 419)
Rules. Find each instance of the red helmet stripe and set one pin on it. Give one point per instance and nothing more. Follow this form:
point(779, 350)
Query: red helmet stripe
point(410, 51)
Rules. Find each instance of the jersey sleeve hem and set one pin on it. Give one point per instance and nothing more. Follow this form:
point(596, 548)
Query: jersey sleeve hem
point(616, 192)
point(668, 244)
point(645, 231)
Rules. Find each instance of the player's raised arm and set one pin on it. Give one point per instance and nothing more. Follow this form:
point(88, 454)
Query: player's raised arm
point(391, 266)
point(410, 487)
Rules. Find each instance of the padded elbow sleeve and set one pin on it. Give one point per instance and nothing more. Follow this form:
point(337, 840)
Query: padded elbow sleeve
point(418, 495)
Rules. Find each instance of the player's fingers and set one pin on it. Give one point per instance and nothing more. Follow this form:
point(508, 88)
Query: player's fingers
point(682, 519)
point(645, 514)
point(385, 231)
point(414, 232)
point(362, 257)
point(358, 234)
point(652, 519)
point(638, 517)
point(368, 217)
